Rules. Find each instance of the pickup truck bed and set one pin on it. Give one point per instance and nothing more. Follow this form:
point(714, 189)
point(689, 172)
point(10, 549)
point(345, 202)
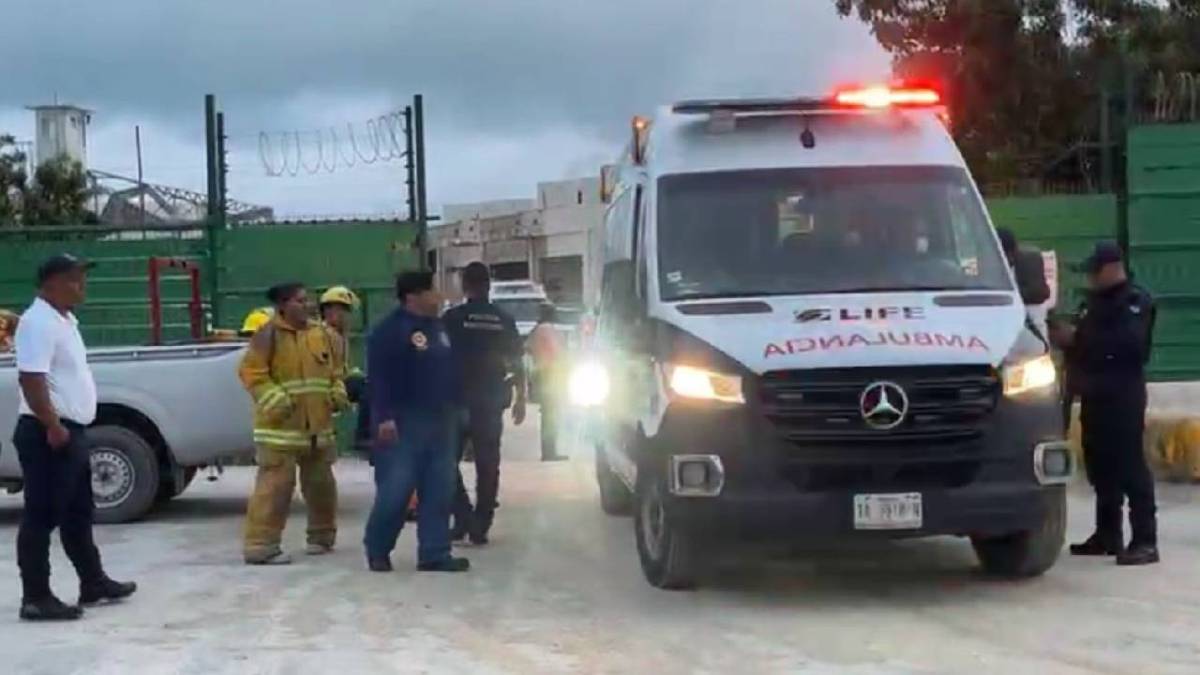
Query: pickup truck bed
point(164, 413)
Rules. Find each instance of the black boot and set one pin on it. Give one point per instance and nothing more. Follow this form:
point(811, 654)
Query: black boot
point(1095, 545)
point(1138, 554)
point(379, 564)
point(105, 590)
point(450, 564)
point(49, 608)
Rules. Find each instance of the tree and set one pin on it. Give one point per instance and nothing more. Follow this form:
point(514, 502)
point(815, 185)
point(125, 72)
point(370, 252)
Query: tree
point(1025, 78)
point(1008, 76)
point(58, 194)
point(12, 180)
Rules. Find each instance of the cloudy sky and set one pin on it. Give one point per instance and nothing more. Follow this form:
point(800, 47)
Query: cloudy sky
point(516, 91)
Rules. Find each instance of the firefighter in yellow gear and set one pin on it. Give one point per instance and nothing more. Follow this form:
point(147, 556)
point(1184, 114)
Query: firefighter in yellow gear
point(294, 370)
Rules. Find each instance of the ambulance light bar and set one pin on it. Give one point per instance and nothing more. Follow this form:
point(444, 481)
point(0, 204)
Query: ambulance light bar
point(879, 97)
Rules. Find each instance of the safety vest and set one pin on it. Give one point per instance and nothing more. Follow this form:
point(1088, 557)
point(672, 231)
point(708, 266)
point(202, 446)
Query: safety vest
point(296, 378)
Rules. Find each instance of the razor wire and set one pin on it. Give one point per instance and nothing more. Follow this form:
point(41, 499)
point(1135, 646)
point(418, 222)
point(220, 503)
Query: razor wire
point(328, 149)
point(1177, 97)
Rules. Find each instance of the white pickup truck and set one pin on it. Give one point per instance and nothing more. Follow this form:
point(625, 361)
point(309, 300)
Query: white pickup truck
point(164, 413)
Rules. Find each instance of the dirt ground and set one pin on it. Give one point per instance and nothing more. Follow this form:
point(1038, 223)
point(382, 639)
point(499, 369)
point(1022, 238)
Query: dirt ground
point(559, 590)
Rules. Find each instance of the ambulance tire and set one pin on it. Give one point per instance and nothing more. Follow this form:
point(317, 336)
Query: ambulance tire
point(666, 549)
point(615, 498)
point(1027, 554)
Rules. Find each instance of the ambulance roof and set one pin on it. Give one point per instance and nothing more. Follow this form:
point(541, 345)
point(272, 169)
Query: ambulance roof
point(689, 138)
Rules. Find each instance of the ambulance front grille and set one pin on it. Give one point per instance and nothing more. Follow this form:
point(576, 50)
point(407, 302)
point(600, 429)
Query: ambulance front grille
point(812, 408)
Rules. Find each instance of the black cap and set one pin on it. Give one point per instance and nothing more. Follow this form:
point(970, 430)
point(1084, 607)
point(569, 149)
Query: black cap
point(63, 263)
point(411, 283)
point(1105, 253)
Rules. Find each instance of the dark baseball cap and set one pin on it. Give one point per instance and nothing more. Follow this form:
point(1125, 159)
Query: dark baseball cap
point(1105, 253)
point(62, 263)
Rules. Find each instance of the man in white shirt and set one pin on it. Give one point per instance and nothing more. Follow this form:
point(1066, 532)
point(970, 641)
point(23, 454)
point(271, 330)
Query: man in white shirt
point(58, 401)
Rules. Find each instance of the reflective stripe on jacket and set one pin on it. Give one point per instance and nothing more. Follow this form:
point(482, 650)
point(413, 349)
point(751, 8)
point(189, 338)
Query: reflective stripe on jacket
point(296, 379)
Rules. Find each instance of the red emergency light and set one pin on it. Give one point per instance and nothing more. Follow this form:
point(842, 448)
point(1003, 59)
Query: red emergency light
point(880, 97)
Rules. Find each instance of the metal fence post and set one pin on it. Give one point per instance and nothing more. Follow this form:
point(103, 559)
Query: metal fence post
point(422, 194)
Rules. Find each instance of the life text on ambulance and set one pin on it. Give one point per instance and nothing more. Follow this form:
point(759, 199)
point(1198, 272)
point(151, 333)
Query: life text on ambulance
point(808, 329)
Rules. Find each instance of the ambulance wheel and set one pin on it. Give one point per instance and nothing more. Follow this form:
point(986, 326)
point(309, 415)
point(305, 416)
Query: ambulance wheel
point(1027, 554)
point(615, 498)
point(667, 551)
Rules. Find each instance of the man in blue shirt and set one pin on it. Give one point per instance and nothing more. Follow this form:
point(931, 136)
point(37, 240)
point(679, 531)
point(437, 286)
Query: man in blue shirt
point(488, 350)
point(414, 408)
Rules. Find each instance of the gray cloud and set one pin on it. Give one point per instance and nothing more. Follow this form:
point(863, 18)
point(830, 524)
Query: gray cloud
point(517, 90)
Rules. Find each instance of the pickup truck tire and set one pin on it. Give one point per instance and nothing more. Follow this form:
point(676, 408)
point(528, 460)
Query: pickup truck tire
point(1027, 554)
point(125, 474)
point(615, 498)
point(667, 551)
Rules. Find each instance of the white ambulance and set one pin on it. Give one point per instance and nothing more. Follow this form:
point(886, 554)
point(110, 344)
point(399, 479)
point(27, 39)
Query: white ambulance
point(808, 329)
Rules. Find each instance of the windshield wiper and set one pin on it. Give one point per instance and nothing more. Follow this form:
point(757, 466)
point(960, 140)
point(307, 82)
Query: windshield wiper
point(722, 295)
point(902, 289)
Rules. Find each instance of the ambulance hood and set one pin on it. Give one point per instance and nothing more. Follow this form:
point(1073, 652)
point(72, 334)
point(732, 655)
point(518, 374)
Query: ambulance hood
point(867, 330)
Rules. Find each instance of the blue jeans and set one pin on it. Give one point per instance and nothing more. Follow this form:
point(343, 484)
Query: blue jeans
point(422, 459)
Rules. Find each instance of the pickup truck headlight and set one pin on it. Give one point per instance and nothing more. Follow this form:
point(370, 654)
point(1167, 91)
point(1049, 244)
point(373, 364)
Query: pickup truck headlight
point(1034, 374)
point(705, 385)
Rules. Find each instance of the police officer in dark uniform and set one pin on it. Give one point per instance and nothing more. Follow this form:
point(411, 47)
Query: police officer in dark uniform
point(1110, 347)
point(489, 351)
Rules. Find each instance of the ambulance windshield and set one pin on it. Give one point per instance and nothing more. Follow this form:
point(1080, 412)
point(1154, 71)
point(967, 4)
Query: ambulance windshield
point(826, 230)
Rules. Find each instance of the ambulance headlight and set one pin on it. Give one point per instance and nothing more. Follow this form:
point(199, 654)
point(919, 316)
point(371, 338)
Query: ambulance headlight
point(1036, 374)
point(589, 385)
point(690, 382)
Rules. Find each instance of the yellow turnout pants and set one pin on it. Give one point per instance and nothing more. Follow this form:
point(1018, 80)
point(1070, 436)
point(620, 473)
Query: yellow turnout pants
point(267, 511)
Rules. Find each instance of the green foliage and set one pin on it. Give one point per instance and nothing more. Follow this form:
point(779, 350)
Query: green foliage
point(12, 180)
point(58, 194)
point(1023, 78)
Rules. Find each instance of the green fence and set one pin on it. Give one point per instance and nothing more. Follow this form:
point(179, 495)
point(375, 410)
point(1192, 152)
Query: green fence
point(364, 256)
point(1164, 239)
point(1069, 225)
point(249, 258)
point(118, 310)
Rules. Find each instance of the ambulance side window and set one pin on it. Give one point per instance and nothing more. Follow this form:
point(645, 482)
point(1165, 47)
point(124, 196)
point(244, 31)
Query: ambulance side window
point(618, 298)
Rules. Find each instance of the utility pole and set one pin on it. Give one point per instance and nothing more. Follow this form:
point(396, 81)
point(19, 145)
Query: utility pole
point(137, 140)
point(422, 194)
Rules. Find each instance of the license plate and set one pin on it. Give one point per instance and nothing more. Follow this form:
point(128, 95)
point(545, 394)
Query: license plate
point(888, 512)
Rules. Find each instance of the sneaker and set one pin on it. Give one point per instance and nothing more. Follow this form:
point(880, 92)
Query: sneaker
point(1094, 546)
point(276, 558)
point(450, 564)
point(318, 549)
point(49, 608)
point(379, 564)
point(1138, 554)
point(106, 590)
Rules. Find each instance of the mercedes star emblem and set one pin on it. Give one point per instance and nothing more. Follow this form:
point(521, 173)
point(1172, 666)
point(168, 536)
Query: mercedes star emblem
point(883, 405)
